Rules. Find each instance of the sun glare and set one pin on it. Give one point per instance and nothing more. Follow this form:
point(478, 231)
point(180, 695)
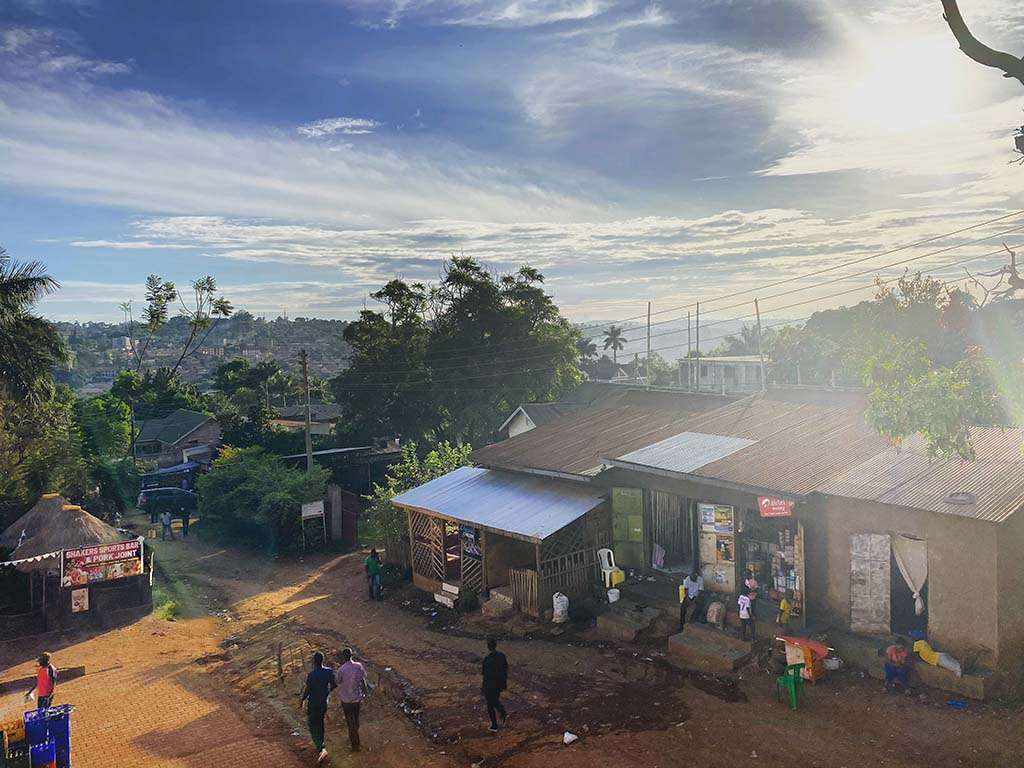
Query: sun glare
point(904, 87)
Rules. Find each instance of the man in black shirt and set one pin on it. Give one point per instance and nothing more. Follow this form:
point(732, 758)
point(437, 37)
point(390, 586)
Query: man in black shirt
point(495, 673)
point(319, 684)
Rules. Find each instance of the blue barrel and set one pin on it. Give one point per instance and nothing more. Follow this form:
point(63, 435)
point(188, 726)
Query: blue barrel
point(59, 720)
point(36, 727)
point(44, 755)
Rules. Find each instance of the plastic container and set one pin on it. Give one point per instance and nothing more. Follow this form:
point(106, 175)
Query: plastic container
point(613, 595)
point(36, 727)
point(59, 720)
point(560, 605)
point(43, 755)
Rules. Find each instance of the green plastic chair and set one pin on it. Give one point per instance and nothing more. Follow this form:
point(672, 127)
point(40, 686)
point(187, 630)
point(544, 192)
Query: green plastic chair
point(791, 679)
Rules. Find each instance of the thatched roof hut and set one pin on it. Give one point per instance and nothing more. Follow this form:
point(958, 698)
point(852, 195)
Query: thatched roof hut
point(54, 524)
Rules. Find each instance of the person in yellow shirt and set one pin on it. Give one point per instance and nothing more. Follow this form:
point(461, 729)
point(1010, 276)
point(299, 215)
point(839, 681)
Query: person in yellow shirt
point(785, 610)
point(928, 654)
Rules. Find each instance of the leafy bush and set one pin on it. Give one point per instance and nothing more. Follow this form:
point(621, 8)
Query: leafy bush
point(468, 600)
point(164, 606)
point(393, 575)
point(250, 497)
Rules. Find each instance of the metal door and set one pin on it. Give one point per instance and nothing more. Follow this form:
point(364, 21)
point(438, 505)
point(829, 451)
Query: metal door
point(870, 583)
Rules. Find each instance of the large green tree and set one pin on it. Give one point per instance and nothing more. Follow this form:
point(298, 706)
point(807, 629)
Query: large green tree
point(446, 361)
point(251, 497)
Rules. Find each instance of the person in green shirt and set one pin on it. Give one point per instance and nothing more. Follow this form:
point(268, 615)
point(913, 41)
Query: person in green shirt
point(373, 575)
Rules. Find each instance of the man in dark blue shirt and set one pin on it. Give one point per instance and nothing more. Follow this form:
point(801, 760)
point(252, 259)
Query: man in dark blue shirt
point(319, 684)
point(495, 680)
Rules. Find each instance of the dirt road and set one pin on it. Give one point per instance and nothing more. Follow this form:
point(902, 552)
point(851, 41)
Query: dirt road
point(627, 705)
point(220, 687)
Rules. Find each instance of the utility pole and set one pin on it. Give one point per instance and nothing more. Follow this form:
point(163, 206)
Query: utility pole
point(697, 375)
point(309, 430)
point(760, 348)
point(648, 345)
point(689, 359)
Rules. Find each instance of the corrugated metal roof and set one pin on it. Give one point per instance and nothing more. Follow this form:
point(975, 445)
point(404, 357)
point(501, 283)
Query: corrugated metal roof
point(526, 505)
point(907, 478)
point(576, 444)
point(686, 451)
point(795, 445)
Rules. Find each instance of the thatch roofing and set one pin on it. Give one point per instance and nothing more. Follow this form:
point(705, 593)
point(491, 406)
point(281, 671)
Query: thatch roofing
point(54, 524)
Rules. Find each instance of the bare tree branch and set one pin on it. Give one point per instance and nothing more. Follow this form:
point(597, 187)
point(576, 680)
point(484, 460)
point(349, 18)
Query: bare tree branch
point(1010, 65)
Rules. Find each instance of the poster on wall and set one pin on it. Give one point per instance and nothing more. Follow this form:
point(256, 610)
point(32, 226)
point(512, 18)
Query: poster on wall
point(716, 518)
point(726, 550)
point(772, 507)
point(470, 542)
point(79, 600)
point(101, 562)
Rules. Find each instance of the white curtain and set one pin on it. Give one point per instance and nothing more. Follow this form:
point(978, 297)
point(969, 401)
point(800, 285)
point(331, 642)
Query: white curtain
point(912, 560)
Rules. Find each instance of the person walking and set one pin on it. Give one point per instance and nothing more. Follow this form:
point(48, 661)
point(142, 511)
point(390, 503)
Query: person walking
point(373, 575)
point(165, 531)
point(691, 592)
point(746, 613)
point(185, 520)
point(46, 683)
point(315, 692)
point(495, 680)
point(353, 688)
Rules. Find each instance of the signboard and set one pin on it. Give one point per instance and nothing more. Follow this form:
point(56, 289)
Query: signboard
point(101, 562)
point(716, 518)
point(470, 542)
point(312, 510)
point(79, 600)
point(771, 507)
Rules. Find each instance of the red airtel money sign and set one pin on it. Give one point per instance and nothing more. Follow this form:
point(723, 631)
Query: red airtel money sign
point(772, 507)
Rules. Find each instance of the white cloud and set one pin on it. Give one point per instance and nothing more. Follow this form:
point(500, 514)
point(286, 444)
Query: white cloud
point(132, 245)
point(349, 126)
point(489, 13)
point(30, 53)
point(135, 150)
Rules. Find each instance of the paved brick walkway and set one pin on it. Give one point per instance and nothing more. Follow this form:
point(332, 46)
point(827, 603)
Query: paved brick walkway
point(144, 701)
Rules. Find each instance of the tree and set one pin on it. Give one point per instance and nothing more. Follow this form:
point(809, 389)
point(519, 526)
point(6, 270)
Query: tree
point(910, 394)
point(252, 498)
point(204, 309)
point(586, 348)
point(384, 517)
point(30, 347)
point(746, 343)
point(613, 340)
point(157, 393)
point(443, 362)
point(1010, 65)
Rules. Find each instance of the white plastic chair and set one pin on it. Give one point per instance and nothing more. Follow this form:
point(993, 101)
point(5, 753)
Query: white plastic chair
point(606, 560)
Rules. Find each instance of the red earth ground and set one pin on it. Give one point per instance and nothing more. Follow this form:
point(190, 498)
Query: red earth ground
point(242, 667)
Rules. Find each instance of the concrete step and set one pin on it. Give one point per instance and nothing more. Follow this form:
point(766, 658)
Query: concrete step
point(624, 620)
point(708, 649)
point(444, 599)
point(501, 594)
point(496, 608)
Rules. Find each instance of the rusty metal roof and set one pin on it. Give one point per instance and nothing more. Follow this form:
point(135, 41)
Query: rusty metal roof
point(794, 447)
point(989, 488)
point(575, 445)
point(531, 507)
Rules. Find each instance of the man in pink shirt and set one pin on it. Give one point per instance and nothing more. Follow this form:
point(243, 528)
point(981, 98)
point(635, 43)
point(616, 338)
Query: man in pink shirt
point(352, 689)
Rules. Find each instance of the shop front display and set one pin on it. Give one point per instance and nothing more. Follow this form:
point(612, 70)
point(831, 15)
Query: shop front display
point(773, 552)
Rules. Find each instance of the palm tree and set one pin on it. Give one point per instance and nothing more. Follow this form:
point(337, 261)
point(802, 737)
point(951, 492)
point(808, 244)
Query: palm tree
point(613, 340)
point(30, 347)
point(586, 349)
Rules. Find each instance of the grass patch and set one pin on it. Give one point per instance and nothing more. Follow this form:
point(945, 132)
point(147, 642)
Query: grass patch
point(164, 605)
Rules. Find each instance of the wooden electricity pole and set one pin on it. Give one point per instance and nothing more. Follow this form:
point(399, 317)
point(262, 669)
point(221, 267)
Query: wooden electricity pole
point(760, 348)
point(648, 345)
point(697, 375)
point(309, 428)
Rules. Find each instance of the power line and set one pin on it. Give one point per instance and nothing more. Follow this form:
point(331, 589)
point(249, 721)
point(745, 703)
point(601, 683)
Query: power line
point(469, 350)
point(510, 361)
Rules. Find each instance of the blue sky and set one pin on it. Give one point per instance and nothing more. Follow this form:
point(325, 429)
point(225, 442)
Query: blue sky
point(304, 152)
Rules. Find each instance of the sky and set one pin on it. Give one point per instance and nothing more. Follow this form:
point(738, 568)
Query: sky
point(304, 152)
